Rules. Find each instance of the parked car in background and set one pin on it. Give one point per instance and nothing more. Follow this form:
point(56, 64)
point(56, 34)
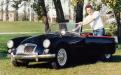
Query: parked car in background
point(60, 48)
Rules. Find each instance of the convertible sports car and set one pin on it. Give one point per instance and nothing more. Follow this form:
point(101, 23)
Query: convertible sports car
point(60, 48)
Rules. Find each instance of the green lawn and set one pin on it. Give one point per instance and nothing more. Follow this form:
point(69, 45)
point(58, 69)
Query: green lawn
point(23, 26)
point(98, 68)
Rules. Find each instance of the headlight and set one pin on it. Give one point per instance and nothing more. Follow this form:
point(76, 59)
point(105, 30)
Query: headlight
point(46, 43)
point(10, 44)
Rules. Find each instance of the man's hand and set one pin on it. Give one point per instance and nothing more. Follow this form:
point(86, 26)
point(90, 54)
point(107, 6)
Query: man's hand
point(80, 23)
point(78, 27)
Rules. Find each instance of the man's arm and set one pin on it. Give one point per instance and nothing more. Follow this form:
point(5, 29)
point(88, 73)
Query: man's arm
point(91, 18)
point(87, 20)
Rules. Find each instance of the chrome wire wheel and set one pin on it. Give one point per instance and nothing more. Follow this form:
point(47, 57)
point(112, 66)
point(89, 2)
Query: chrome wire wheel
point(108, 56)
point(62, 57)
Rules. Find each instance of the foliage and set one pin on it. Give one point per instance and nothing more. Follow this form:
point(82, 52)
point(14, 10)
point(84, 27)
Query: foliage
point(74, 2)
point(38, 9)
point(115, 4)
point(16, 3)
point(96, 5)
point(112, 30)
point(119, 46)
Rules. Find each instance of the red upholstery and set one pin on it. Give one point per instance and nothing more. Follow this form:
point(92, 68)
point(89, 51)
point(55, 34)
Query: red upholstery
point(91, 35)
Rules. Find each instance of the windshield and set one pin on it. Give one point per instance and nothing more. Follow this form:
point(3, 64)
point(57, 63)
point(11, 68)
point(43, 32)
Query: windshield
point(67, 27)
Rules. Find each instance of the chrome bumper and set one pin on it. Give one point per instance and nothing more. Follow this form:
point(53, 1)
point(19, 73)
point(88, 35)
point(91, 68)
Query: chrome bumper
point(36, 57)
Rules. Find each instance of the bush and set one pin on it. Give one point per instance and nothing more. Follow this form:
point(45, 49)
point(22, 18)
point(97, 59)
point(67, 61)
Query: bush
point(112, 30)
point(119, 46)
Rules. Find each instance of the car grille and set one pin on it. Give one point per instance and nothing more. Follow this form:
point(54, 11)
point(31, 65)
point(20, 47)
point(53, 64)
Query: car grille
point(29, 49)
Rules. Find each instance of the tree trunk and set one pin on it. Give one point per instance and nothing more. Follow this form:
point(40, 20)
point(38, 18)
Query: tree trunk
point(119, 26)
point(25, 13)
point(2, 11)
point(60, 14)
point(45, 18)
point(6, 10)
point(79, 12)
point(16, 15)
point(16, 8)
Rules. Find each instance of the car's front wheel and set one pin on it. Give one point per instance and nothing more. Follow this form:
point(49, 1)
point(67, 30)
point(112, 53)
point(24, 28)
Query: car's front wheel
point(18, 63)
point(61, 59)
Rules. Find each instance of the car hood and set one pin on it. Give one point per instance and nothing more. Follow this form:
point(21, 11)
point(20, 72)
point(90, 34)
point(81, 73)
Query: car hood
point(37, 41)
point(39, 38)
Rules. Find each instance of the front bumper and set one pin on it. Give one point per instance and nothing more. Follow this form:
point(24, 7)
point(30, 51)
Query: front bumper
point(32, 57)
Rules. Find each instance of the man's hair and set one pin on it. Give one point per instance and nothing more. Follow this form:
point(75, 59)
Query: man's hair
point(88, 6)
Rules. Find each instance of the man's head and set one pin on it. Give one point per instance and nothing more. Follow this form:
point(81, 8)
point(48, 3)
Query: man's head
point(89, 9)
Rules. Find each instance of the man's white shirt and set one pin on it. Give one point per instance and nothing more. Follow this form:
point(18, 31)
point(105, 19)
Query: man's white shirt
point(96, 23)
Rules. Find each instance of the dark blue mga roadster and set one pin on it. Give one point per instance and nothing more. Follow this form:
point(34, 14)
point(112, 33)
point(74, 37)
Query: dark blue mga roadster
point(60, 48)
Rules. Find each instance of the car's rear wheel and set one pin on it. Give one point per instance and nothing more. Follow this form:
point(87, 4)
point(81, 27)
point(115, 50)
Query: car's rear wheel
point(61, 59)
point(106, 57)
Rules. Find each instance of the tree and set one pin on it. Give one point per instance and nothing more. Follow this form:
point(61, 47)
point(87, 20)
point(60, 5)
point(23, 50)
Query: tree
point(79, 11)
point(25, 13)
point(60, 13)
point(6, 10)
point(78, 6)
point(116, 6)
point(1, 10)
point(15, 5)
point(40, 9)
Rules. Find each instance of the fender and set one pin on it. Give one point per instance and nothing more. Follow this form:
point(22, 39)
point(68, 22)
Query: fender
point(18, 40)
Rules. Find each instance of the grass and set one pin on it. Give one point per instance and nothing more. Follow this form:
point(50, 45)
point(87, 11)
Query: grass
point(23, 26)
point(98, 68)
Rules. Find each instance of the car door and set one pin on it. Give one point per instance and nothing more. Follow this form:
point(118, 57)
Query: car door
point(93, 45)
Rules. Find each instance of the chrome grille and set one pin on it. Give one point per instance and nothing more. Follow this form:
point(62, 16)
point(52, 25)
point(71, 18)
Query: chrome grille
point(30, 48)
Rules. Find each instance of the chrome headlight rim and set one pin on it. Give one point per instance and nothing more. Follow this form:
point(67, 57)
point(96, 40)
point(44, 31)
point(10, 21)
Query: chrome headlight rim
point(10, 43)
point(46, 43)
point(63, 32)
